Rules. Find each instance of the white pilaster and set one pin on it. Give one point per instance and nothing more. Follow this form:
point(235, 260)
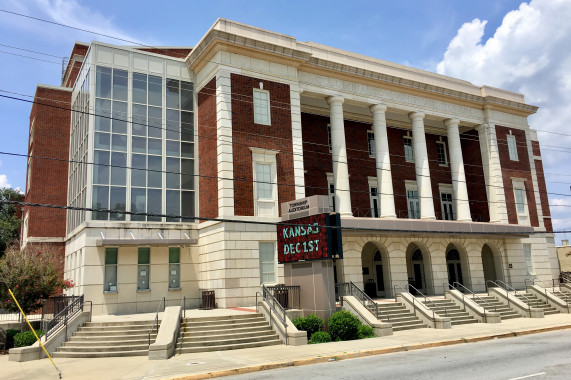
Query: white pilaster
point(421, 166)
point(339, 153)
point(457, 169)
point(492, 173)
point(297, 142)
point(225, 158)
point(383, 161)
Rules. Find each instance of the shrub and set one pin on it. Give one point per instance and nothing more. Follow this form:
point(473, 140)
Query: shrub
point(311, 324)
point(26, 338)
point(10, 338)
point(320, 337)
point(344, 326)
point(366, 332)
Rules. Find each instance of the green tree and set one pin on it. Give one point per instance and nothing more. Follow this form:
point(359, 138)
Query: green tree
point(9, 221)
point(32, 274)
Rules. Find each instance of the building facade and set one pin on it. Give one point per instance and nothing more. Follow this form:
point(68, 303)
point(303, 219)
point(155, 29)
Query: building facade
point(179, 159)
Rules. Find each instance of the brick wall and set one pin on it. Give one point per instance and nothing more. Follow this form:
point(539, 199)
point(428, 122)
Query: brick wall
point(80, 50)
point(474, 171)
point(516, 169)
point(439, 174)
point(246, 134)
point(317, 160)
point(401, 170)
point(48, 178)
point(360, 165)
point(207, 154)
point(542, 188)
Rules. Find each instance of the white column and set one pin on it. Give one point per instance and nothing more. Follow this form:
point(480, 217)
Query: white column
point(461, 204)
point(492, 173)
point(383, 161)
point(297, 141)
point(421, 166)
point(339, 153)
point(225, 157)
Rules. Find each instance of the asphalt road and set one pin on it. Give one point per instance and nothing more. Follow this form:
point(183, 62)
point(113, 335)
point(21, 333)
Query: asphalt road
point(536, 356)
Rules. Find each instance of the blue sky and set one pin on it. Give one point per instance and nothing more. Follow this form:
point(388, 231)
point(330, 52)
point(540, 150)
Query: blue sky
point(515, 45)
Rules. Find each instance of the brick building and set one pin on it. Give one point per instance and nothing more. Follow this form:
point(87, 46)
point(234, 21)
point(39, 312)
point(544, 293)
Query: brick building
point(436, 180)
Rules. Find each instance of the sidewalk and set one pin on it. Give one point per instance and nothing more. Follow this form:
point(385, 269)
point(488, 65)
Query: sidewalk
point(211, 364)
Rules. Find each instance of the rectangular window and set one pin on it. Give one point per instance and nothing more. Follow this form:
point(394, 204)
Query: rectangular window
point(329, 141)
point(174, 268)
point(441, 150)
point(374, 199)
point(261, 107)
point(529, 265)
point(110, 284)
point(331, 192)
point(447, 206)
point(265, 182)
point(267, 263)
point(144, 267)
point(408, 151)
point(512, 148)
point(519, 201)
point(371, 143)
point(412, 203)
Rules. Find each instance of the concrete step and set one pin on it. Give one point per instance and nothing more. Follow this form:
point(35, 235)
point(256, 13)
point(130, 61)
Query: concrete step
point(116, 328)
point(113, 333)
point(113, 339)
point(120, 323)
point(103, 348)
point(102, 354)
point(411, 326)
point(463, 322)
point(239, 330)
point(225, 347)
point(227, 323)
point(229, 335)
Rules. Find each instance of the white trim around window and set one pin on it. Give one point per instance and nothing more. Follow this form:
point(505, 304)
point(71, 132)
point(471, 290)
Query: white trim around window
point(408, 148)
point(268, 262)
point(374, 199)
point(412, 201)
point(262, 107)
point(331, 191)
point(512, 147)
point(447, 201)
point(520, 201)
point(264, 172)
point(371, 143)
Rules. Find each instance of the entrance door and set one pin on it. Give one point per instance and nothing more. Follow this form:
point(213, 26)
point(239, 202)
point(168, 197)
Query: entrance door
point(380, 280)
point(489, 264)
point(416, 278)
point(454, 267)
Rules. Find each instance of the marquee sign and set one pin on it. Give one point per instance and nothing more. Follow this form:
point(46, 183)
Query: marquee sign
point(309, 238)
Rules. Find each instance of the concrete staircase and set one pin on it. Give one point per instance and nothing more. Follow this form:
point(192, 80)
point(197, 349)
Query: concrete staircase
point(493, 304)
point(536, 303)
point(447, 308)
point(225, 333)
point(108, 339)
point(565, 296)
point(399, 316)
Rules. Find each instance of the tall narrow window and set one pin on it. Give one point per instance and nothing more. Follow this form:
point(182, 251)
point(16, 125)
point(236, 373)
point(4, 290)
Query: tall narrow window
point(408, 151)
point(143, 274)
point(374, 197)
point(261, 107)
point(520, 200)
point(447, 206)
point(329, 141)
point(512, 147)
point(174, 268)
point(529, 265)
point(413, 206)
point(441, 151)
point(265, 182)
point(371, 143)
point(331, 192)
point(267, 263)
point(110, 284)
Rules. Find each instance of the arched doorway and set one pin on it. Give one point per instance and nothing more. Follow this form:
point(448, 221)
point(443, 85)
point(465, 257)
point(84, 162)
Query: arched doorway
point(454, 267)
point(491, 264)
point(376, 272)
point(416, 270)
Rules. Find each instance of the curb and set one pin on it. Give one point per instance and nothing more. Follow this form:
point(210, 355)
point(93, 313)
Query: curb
point(360, 354)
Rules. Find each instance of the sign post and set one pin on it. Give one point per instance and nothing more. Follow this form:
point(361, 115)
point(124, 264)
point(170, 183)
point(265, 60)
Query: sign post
point(307, 246)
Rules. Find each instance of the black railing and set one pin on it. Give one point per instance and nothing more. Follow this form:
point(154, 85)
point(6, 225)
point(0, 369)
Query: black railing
point(156, 322)
point(456, 284)
point(341, 290)
point(73, 305)
point(289, 296)
point(507, 288)
point(547, 284)
point(414, 299)
point(350, 289)
point(275, 307)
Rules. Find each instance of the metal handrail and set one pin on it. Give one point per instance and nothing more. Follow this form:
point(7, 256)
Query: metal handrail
point(366, 301)
point(455, 283)
point(413, 299)
point(275, 306)
point(535, 281)
point(182, 317)
point(63, 316)
point(156, 322)
point(426, 299)
point(507, 289)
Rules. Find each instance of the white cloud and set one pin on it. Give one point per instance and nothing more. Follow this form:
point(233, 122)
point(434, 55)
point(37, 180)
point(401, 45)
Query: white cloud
point(528, 53)
point(4, 181)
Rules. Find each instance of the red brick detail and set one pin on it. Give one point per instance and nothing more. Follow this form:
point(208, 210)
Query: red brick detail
point(317, 160)
point(475, 182)
point(48, 178)
point(169, 52)
point(543, 195)
point(438, 174)
point(360, 165)
point(401, 170)
point(79, 50)
point(516, 169)
point(207, 154)
point(246, 134)
point(535, 148)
